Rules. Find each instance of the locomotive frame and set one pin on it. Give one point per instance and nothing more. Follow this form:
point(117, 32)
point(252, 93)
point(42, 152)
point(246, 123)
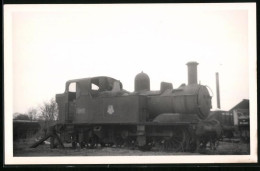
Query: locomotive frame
point(101, 113)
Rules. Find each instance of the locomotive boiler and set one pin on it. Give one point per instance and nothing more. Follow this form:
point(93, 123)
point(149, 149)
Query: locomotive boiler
point(99, 112)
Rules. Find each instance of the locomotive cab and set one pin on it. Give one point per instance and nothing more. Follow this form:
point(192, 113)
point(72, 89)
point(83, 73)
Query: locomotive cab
point(85, 99)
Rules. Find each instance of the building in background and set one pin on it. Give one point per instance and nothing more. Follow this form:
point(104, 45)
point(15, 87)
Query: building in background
point(241, 117)
point(235, 122)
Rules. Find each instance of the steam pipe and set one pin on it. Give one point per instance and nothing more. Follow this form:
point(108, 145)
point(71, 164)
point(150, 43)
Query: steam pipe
point(217, 87)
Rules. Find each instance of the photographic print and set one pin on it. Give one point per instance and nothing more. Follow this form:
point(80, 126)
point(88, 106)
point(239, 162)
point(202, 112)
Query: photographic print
point(130, 83)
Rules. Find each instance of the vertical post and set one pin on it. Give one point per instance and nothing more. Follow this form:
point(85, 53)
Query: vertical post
point(217, 87)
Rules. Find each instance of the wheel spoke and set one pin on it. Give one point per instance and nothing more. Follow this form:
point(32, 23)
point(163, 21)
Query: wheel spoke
point(176, 142)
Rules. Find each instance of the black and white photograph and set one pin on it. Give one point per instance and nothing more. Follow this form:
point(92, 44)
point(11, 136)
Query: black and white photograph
point(130, 83)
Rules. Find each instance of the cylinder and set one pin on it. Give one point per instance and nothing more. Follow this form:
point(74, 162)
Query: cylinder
point(142, 82)
point(192, 73)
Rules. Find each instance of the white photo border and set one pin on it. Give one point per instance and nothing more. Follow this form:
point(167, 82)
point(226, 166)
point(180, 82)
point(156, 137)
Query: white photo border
point(9, 159)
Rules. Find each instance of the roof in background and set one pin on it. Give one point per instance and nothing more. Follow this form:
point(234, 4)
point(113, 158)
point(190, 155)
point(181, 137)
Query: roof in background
point(244, 104)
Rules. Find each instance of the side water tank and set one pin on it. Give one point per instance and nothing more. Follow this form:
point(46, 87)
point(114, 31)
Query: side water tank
point(142, 82)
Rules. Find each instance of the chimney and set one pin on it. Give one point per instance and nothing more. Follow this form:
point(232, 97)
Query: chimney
point(192, 73)
point(217, 87)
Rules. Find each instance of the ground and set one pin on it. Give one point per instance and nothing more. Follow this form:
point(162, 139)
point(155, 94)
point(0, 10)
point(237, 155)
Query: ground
point(22, 148)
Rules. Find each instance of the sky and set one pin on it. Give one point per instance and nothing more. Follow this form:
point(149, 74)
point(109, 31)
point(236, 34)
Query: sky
point(53, 45)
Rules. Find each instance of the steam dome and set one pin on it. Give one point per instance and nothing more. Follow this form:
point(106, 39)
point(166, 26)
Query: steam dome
point(142, 82)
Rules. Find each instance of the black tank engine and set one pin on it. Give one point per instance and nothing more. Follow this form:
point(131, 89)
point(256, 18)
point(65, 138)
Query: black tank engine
point(99, 112)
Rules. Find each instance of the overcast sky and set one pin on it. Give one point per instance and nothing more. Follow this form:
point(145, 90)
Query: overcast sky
point(53, 45)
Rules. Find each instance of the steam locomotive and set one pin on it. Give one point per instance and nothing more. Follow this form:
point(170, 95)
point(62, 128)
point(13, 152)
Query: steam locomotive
point(101, 113)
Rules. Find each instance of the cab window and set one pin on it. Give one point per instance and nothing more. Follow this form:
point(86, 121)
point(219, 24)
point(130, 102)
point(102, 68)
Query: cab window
point(72, 87)
point(94, 87)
